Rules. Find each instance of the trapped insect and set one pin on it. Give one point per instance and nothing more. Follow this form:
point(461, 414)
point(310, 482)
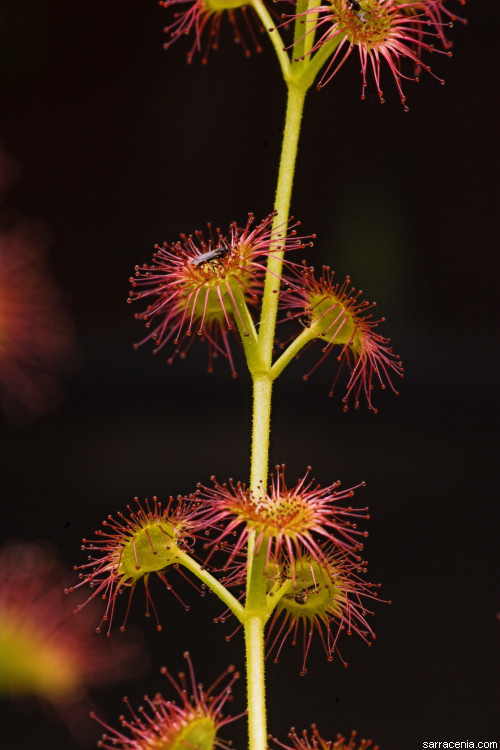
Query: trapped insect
point(301, 597)
point(358, 10)
point(217, 252)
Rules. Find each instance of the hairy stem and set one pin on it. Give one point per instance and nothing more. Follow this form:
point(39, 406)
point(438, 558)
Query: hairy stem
point(274, 36)
point(262, 391)
point(319, 59)
point(295, 106)
point(245, 324)
point(291, 351)
point(304, 32)
point(254, 643)
point(212, 583)
point(256, 606)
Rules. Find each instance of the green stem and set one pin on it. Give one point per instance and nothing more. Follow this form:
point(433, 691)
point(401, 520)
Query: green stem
point(254, 643)
point(295, 106)
point(212, 583)
point(304, 32)
point(245, 325)
point(278, 592)
point(256, 606)
point(254, 622)
point(291, 351)
point(317, 61)
point(262, 392)
point(274, 36)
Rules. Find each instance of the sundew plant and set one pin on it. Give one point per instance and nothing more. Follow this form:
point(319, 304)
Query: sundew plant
point(284, 554)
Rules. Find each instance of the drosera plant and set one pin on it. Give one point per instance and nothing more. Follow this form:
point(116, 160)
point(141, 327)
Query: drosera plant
point(293, 567)
point(314, 741)
point(203, 284)
point(194, 721)
point(149, 539)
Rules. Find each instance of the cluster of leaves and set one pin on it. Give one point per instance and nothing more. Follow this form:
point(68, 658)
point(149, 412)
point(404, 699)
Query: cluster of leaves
point(313, 570)
point(390, 32)
point(208, 287)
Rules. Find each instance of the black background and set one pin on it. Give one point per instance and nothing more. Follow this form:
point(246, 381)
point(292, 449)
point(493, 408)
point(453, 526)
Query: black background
point(123, 145)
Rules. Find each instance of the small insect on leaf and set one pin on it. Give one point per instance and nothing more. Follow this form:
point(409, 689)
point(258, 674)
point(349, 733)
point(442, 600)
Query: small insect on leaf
point(217, 252)
point(358, 10)
point(301, 597)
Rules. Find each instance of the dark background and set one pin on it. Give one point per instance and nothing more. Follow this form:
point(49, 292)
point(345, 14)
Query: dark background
point(123, 145)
